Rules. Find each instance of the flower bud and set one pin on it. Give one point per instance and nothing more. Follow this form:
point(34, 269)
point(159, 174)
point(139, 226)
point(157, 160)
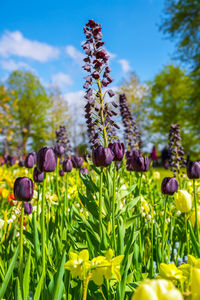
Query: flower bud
point(30, 160)
point(23, 189)
point(67, 165)
point(28, 208)
point(84, 171)
point(102, 156)
point(193, 217)
point(193, 170)
point(118, 150)
point(46, 160)
point(77, 162)
point(183, 201)
point(169, 185)
point(37, 175)
point(61, 173)
point(59, 150)
point(138, 163)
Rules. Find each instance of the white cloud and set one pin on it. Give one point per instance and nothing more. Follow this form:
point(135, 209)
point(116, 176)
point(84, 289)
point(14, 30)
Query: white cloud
point(75, 98)
point(75, 54)
point(112, 55)
point(14, 43)
point(11, 65)
point(125, 65)
point(61, 80)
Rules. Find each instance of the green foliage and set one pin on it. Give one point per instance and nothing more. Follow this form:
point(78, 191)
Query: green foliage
point(169, 103)
point(30, 113)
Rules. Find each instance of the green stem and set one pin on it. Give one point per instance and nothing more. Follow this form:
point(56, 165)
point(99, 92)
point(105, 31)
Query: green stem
point(85, 287)
point(57, 183)
point(21, 246)
point(43, 225)
point(38, 201)
point(100, 204)
point(66, 204)
point(113, 207)
point(196, 211)
point(101, 113)
point(186, 232)
point(163, 228)
point(151, 265)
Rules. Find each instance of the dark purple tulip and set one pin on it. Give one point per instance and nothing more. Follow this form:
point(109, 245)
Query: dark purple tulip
point(37, 175)
point(77, 162)
point(84, 171)
point(30, 160)
point(61, 173)
point(193, 170)
point(102, 156)
point(169, 185)
point(138, 163)
point(21, 163)
point(28, 208)
point(59, 150)
point(23, 189)
point(132, 153)
point(118, 150)
point(46, 160)
point(67, 165)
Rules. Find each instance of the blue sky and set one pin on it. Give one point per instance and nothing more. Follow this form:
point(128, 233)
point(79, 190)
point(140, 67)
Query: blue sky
point(45, 36)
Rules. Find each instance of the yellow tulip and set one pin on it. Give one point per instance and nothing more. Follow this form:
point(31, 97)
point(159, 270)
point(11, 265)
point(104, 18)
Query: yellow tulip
point(183, 201)
point(157, 289)
point(170, 271)
point(156, 176)
point(192, 218)
point(195, 284)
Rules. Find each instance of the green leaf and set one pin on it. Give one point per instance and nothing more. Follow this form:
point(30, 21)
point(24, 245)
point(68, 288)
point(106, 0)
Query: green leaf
point(9, 273)
point(26, 278)
point(18, 294)
point(59, 286)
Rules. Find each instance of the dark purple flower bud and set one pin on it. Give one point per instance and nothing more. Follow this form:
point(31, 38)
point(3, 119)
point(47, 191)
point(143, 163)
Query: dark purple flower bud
point(193, 170)
point(88, 79)
point(137, 163)
point(104, 82)
point(23, 189)
point(28, 208)
point(30, 160)
point(61, 173)
point(86, 85)
point(111, 93)
point(118, 150)
point(77, 162)
point(21, 163)
point(84, 171)
point(59, 150)
point(95, 75)
point(108, 69)
point(37, 175)
point(67, 165)
point(87, 67)
point(46, 160)
point(169, 185)
point(102, 156)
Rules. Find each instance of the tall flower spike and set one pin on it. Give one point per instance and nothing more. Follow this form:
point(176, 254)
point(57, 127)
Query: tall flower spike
point(97, 112)
point(132, 135)
point(62, 140)
point(177, 160)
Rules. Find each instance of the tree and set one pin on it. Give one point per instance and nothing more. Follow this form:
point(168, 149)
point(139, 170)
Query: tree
point(168, 101)
point(58, 113)
point(181, 22)
point(30, 113)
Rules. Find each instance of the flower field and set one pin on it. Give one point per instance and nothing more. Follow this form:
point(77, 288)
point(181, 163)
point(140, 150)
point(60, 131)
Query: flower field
point(104, 226)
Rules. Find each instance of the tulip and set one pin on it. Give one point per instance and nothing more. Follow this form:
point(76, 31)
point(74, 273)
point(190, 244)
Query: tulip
point(61, 173)
point(102, 156)
point(23, 189)
point(37, 175)
point(67, 165)
point(157, 289)
point(183, 201)
point(193, 170)
point(118, 150)
point(169, 185)
point(46, 160)
point(30, 160)
point(77, 162)
point(195, 283)
point(28, 208)
point(59, 150)
point(84, 171)
point(193, 218)
point(137, 163)
point(21, 163)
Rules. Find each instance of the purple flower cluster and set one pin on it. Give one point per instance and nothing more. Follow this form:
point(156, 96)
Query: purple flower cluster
point(62, 142)
point(97, 113)
point(132, 135)
point(177, 160)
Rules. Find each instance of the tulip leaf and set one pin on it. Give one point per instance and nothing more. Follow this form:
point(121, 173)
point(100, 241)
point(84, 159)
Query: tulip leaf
point(26, 278)
point(18, 294)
